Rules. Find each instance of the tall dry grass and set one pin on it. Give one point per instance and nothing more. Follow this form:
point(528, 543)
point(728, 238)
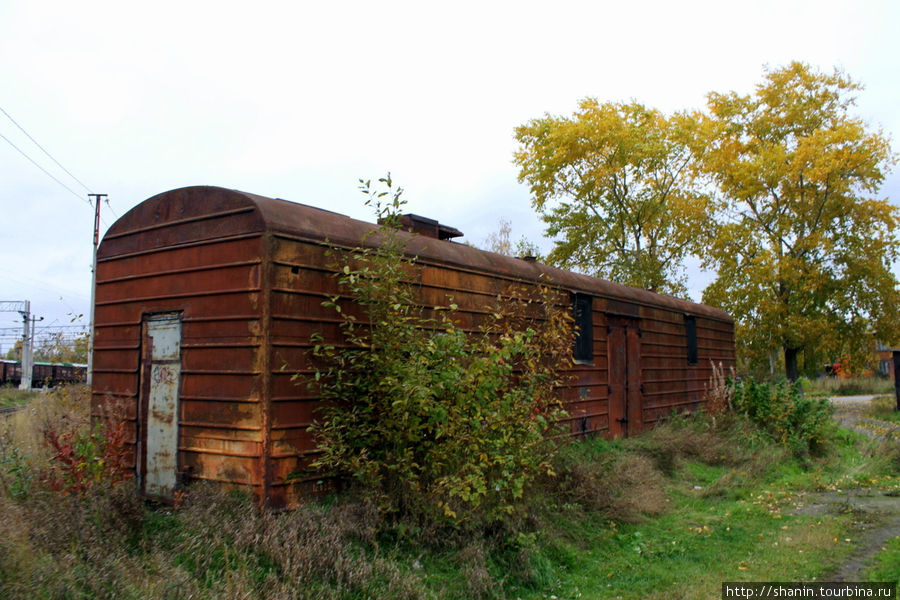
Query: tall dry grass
point(848, 386)
point(103, 541)
point(65, 407)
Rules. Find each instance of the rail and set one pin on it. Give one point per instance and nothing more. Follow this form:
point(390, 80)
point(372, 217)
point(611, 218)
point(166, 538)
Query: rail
point(9, 410)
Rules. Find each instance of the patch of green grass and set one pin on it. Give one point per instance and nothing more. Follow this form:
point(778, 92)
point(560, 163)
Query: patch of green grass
point(737, 523)
point(688, 552)
point(722, 524)
point(887, 563)
point(10, 396)
point(885, 409)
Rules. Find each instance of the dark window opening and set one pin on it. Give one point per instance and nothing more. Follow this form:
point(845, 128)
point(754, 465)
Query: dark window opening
point(690, 326)
point(584, 330)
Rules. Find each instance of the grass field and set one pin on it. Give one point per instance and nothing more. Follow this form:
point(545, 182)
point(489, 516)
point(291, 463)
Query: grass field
point(852, 386)
point(887, 564)
point(670, 514)
point(885, 408)
point(10, 396)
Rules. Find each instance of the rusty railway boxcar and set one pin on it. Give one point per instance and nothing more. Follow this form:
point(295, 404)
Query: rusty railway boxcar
point(206, 300)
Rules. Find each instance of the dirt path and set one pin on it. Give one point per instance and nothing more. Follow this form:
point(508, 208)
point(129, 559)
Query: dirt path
point(849, 412)
point(876, 516)
point(876, 513)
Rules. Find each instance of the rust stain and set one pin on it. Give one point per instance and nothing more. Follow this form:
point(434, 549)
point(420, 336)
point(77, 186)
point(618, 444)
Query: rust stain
point(165, 418)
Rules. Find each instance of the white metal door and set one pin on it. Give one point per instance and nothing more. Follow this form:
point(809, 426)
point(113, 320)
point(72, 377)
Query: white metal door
point(164, 336)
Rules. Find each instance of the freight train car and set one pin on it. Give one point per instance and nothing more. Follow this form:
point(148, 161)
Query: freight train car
point(205, 294)
point(43, 374)
point(10, 372)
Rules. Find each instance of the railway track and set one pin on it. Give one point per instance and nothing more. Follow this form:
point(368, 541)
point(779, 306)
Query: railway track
point(9, 410)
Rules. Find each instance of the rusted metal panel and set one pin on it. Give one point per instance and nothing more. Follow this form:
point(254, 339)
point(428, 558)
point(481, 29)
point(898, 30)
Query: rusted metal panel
point(634, 378)
point(181, 217)
point(248, 275)
point(428, 227)
point(625, 396)
point(618, 392)
point(184, 284)
point(222, 468)
point(198, 252)
point(619, 307)
point(199, 255)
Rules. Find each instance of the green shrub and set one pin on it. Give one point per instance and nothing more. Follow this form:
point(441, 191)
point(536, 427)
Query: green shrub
point(432, 420)
point(16, 475)
point(788, 417)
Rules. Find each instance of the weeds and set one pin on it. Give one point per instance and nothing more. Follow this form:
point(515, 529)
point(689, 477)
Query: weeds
point(719, 391)
point(84, 459)
point(885, 409)
point(689, 501)
point(851, 386)
point(53, 443)
point(625, 487)
point(16, 475)
point(785, 415)
point(10, 396)
point(445, 425)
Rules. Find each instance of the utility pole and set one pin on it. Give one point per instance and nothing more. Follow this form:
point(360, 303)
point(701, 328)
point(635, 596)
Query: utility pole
point(23, 307)
point(28, 367)
point(27, 364)
point(90, 368)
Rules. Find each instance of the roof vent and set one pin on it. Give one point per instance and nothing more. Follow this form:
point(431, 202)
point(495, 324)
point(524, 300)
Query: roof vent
point(428, 227)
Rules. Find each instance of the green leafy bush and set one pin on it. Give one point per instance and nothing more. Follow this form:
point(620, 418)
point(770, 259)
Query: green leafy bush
point(787, 416)
point(432, 420)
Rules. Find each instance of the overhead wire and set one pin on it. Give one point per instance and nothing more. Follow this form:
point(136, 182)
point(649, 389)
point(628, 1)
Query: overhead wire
point(109, 206)
point(59, 164)
point(46, 172)
point(44, 150)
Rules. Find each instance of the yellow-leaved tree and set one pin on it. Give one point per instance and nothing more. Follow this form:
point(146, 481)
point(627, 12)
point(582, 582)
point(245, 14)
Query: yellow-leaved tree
point(804, 250)
point(614, 183)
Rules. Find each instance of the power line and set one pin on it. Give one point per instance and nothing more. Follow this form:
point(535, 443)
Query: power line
point(109, 206)
point(43, 328)
point(21, 279)
point(44, 150)
point(46, 172)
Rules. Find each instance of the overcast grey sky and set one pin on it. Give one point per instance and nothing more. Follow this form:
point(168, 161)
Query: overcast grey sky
point(300, 99)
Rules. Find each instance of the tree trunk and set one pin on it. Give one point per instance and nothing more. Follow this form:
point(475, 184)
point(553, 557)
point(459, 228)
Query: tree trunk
point(790, 363)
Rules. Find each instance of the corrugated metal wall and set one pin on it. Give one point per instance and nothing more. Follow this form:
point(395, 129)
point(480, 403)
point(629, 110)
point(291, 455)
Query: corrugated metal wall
point(662, 381)
point(201, 257)
point(247, 276)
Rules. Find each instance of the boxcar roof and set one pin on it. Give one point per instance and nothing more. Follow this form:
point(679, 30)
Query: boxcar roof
point(201, 207)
